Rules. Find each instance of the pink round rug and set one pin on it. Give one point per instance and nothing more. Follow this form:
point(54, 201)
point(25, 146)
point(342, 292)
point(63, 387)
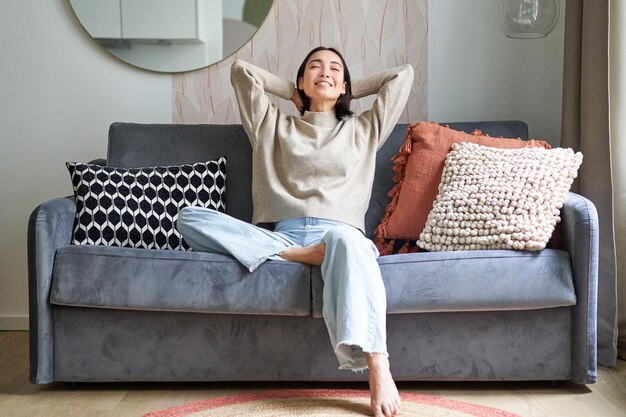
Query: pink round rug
point(328, 403)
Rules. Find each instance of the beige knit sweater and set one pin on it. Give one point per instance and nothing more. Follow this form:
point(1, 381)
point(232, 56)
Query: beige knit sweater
point(315, 165)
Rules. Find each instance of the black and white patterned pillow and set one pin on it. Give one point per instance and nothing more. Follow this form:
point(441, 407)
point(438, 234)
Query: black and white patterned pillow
point(138, 207)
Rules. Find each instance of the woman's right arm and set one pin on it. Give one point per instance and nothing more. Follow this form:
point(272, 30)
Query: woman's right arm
point(251, 83)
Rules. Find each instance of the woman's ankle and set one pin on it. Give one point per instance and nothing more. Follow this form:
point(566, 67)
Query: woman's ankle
point(378, 362)
point(311, 255)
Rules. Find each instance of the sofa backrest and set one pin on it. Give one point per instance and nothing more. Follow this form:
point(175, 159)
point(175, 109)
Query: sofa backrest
point(134, 145)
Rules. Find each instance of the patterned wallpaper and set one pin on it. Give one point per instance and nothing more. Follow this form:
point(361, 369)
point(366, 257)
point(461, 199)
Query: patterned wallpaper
point(371, 34)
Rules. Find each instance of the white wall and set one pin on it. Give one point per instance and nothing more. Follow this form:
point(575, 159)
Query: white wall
point(59, 92)
point(476, 73)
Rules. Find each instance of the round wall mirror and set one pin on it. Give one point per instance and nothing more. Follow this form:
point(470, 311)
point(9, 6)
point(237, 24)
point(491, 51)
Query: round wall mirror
point(171, 35)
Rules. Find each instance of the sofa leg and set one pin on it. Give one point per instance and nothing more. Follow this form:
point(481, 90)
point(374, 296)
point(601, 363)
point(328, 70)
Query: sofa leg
point(554, 383)
point(73, 386)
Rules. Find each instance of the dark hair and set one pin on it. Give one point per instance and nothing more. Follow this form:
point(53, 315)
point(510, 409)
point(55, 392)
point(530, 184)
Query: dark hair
point(342, 106)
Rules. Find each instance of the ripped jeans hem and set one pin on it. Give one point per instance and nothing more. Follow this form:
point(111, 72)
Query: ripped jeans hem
point(358, 363)
point(274, 257)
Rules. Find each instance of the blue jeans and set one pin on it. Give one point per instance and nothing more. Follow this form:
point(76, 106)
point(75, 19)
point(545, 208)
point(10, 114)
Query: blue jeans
point(354, 299)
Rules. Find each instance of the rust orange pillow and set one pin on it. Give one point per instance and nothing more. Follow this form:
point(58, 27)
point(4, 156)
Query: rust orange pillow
point(418, 167)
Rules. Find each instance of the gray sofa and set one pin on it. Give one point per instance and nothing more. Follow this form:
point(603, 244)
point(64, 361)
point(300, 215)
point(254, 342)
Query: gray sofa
point(118, 314)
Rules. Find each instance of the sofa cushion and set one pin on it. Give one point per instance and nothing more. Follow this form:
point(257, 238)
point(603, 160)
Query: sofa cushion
point(417, 168)
point(139, 279)
point(499, 198)
point(471, 281)
point(138, 207)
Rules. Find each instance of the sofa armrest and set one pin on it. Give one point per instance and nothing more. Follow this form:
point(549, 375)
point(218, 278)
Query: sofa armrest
point(580, 237)
point(49, 228)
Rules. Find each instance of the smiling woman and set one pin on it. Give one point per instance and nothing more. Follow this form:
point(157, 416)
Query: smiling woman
point(171, 35)
point(324, 77)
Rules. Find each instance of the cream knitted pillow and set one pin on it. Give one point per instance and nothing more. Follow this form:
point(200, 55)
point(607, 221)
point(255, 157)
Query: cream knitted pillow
point(493, 198)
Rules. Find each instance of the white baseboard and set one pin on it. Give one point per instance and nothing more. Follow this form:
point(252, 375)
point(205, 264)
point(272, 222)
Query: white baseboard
point(14, 322)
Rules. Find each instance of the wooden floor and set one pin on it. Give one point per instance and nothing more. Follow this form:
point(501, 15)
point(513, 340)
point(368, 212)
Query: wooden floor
point(606, 398)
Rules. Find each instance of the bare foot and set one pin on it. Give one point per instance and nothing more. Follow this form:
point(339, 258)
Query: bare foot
point(311, 255)
point(385, 399)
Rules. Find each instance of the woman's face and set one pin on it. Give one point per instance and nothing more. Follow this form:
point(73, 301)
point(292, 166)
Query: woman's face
point(322, 81)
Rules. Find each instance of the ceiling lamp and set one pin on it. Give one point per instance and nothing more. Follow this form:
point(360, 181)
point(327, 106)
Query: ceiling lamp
point(527, 19)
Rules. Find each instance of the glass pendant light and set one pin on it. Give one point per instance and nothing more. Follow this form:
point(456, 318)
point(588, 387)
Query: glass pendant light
point(527, 19)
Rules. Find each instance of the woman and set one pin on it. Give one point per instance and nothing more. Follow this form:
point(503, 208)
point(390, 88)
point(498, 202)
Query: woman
point(312, 177)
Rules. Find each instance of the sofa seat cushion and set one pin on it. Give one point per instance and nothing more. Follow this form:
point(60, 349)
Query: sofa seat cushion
point(162, 280)
point(479, 280)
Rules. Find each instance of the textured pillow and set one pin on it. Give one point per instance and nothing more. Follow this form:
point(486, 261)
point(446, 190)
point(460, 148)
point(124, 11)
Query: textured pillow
point(499, 198)
point(138, 207)
point(417, 168)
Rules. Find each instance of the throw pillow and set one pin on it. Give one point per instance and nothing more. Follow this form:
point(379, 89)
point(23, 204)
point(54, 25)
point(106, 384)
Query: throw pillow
point(138, 207)
point(499, 198)
point(417, 168)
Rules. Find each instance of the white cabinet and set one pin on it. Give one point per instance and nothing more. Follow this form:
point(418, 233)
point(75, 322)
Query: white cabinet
point(159, 19)
point(150, 20)
point(101, 18)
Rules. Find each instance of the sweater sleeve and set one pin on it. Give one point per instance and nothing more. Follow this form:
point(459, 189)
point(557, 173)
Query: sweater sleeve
point(392, 88)
point(250, 84)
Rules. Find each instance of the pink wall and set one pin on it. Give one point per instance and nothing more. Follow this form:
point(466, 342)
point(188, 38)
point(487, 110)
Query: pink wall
point(371, 34)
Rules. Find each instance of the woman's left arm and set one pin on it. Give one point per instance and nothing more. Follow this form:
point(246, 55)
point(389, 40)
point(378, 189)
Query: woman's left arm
point(392, 88)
